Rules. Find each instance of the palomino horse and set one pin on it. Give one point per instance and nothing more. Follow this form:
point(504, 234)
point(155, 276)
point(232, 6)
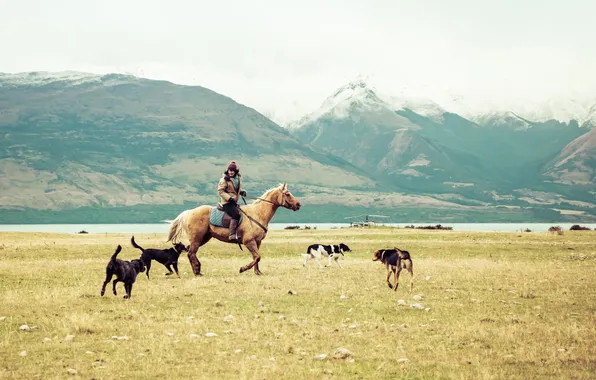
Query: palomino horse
point(195, 223)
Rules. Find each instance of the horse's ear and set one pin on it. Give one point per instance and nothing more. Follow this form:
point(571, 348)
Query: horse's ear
point(284, 187)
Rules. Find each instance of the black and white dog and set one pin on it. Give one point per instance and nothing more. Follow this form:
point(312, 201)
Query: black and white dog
point(316, 251)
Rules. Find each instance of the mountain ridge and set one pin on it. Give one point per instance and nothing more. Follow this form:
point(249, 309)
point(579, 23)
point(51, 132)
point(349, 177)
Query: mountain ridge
point(428, 152)
point(72, 141)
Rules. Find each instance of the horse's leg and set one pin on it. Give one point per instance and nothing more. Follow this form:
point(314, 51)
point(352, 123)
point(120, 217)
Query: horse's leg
point(192, 257)
point(254, 250)
point(192, 252)
point(256, 267)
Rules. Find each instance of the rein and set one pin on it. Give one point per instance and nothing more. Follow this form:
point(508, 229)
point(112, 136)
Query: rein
point(261, 199)
point(253, 219)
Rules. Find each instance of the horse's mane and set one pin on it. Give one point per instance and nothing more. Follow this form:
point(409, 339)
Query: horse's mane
point(267, 192)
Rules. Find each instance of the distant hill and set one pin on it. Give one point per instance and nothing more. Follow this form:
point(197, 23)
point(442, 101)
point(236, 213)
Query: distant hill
point(72, 140)
point(79, 147)
point(576, 163)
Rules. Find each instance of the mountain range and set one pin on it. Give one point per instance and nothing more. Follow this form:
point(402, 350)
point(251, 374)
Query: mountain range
point(116, 148)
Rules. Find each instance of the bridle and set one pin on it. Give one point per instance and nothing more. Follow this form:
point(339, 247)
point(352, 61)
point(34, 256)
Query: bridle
point(280, 203)
point(283, 194)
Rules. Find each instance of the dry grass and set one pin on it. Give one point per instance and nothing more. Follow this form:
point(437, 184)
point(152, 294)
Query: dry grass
point(501, 305)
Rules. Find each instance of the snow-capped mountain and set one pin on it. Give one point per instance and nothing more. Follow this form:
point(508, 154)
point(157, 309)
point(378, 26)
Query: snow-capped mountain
point(338, 105)
point(364, 97)
point(424, 146)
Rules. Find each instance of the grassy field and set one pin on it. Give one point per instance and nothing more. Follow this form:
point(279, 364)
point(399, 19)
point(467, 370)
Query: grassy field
point(496, 306)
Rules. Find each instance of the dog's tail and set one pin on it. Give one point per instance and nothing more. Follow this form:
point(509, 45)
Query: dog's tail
point(404, 255)
point(113, 259)
point(134, 244)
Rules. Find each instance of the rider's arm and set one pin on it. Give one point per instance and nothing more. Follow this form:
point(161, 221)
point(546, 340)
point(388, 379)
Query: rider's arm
point(221, 190)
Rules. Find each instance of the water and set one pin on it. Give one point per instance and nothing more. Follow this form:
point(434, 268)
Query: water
point(163, 227)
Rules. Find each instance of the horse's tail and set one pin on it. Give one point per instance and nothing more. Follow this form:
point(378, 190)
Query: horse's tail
point(178, 227)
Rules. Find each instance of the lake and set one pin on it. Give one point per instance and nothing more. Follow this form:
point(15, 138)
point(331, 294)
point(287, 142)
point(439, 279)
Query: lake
point(163, 227)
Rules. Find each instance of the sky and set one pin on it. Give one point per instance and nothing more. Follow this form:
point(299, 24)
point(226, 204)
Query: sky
point(284, 58)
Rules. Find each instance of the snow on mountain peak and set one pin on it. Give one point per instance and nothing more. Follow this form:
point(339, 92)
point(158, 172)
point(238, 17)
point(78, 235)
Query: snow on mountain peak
point(504, 119)
point(356, 93)
point(562, 110)
point(421, 106)
point(359, 94)
point(40, 78)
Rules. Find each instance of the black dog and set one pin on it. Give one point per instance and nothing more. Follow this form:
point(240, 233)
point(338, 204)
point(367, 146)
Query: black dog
point(125, 271)
point(166, 257)
point(394, 259)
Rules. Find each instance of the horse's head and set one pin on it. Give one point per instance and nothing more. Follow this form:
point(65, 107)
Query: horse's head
point(286, 199)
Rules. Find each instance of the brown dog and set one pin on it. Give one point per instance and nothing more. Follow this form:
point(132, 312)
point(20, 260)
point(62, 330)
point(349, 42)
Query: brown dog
point(395, 260)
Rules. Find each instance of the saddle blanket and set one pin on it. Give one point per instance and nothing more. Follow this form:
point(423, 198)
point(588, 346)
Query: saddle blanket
point(219, 218)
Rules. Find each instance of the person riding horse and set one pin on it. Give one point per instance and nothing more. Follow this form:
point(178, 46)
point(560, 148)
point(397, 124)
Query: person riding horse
point(230, 190)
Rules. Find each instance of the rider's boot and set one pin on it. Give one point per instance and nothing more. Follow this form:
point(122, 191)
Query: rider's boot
point(233, 226)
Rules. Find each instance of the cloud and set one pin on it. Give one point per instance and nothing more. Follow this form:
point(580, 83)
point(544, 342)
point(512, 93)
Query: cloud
point(284, 58)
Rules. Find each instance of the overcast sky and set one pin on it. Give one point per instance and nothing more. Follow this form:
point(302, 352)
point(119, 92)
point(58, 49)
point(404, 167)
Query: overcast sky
point(285, 57)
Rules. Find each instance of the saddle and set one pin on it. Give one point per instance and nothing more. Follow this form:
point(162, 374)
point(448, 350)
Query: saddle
point(219, 218)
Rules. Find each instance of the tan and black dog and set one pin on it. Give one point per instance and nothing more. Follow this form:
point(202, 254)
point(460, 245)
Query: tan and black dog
point(395, 260)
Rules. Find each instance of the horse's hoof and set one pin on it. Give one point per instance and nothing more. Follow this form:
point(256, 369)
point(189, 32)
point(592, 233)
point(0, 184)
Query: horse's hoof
point(242, 270)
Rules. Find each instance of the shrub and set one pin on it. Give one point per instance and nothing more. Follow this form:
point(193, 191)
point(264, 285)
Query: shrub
point(577, 227)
